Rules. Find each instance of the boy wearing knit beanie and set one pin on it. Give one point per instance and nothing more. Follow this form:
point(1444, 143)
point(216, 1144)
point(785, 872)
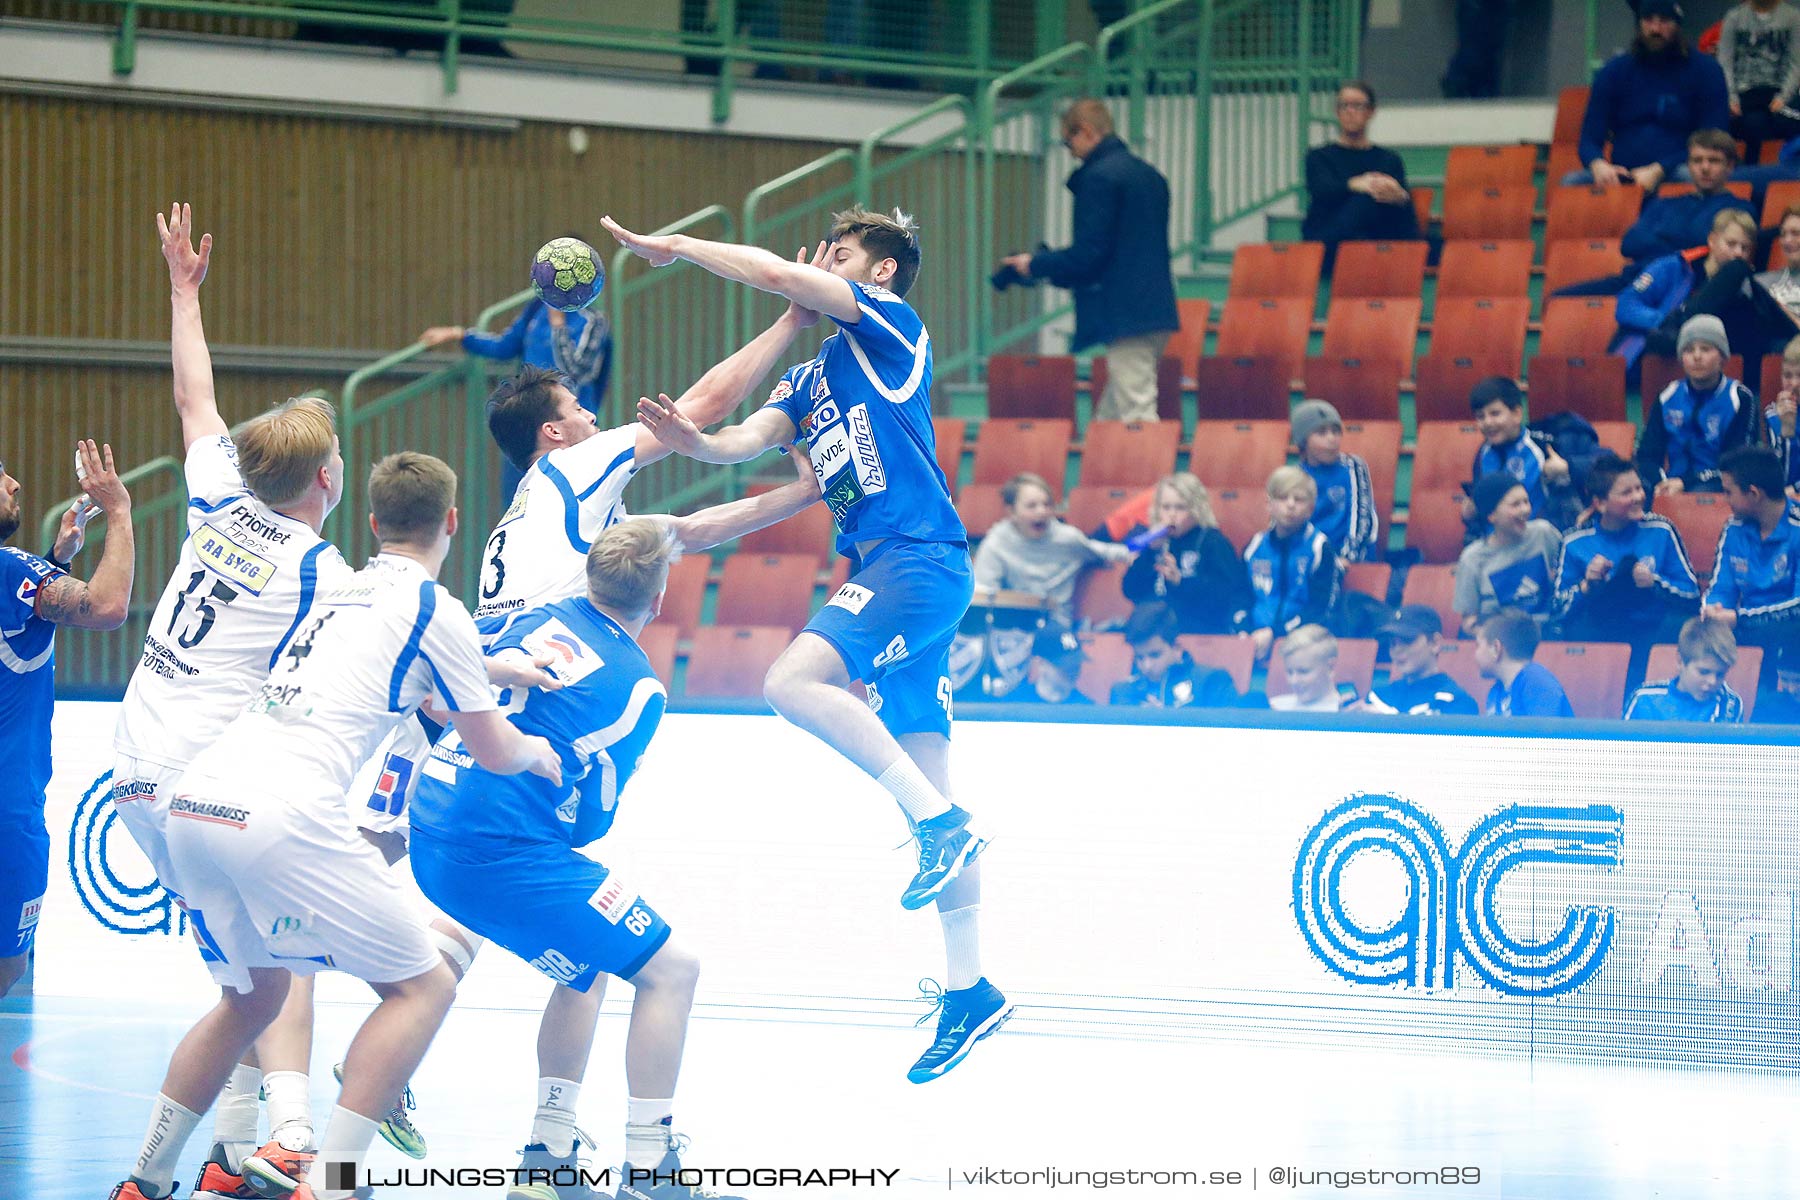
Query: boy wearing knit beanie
point(1345, 512)
point(1697, 418)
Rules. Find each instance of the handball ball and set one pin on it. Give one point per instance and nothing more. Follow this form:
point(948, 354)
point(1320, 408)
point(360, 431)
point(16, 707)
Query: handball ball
point(566, 274)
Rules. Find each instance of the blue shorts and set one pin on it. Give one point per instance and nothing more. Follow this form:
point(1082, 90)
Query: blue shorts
point(893, 623)
point(24, 878)
point(560, 911)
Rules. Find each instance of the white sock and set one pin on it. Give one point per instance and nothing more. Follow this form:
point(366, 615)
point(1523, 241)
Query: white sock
point(962, 945)
point(234, 1117)
point(170, 1127)
point(348, 1136)
point(290, 1108)
point(647, 1125)
point(912, 791)
point(554, 1125)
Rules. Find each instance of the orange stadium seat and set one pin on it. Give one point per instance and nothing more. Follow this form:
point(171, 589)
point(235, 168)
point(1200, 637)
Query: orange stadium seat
point(1379, 270)
point(1780, 196)
point(1665, 663)
point(1457, 660)
point(1237, 454)
point(1618, 436)
point(1434, 524)
point(1490, 166)
point(1369, 579)
point(1592, 211)
point(1592, 385)
point(1484, 269)
point(1108, 662)
point(1356, 387)
point(1699, 517)
point(1769, 386)
point(1373, 329)
point(1242, 387)
point(1089, 507)
point(1100, 597)
point(1004, 448)
point(1442, 384)
point(1128, 453)
point(950, 434)
point(980, 508)
point(1422, 199)
point(1736, 187)
point(1488, 214)
point(1378, 444)
point(1242, 512)
point(1577, 325)
point(766, 589)
point(810, 531)
point(1444, 454)
point(657, 641)
point(1592, 673)
point(1571, 107)
point(1355, 665)
point(1031, 385)
point(1234, 655)
point(686, 594)
point(1270, 328)
point(1188, 343)
point(731, 661)
point(1490, 328)
point(1168, 385)
point(1576, 260)
point(1434, 586)
point(1276, 271)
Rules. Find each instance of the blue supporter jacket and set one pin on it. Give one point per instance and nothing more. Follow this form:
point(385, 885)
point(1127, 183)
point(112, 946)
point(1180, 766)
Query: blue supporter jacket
point(1757, 576)
point(1295, 579)
point(1659, 289)
point(1652, 538)
point(1666, 702)
point(1345, 513)
point(1524, 461)
point(1677, 223)
point(1786, 449)
point(1690, 429)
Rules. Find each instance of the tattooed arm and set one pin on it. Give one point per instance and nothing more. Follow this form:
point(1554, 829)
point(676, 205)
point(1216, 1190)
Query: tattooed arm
point(102, 601)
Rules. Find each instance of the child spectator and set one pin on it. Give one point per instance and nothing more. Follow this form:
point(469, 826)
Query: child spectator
point(1784, 284)
point(1759, 51)
point(1056, 662)
point(1755, 589)
point(1032, 551)
point(1698, 417)
point(1189, 564)
point(1624, 575)
point(1163, 675)
point(1309, 655)
point(1504, 646)
point(1513, 563)
point(1779, 413)
point(1672, 224)
point(1669, 291)
point(1345, 510)
point(1507, 446)
point(1781, 706)
point(1292, 568)
point(1700, 692)
point(1414, 684)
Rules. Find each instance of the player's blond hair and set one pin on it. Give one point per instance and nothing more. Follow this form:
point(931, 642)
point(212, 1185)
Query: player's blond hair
point(894, 236)
point(628, 566)
point(280, 451)
point(1285, 481)
point(410, 494)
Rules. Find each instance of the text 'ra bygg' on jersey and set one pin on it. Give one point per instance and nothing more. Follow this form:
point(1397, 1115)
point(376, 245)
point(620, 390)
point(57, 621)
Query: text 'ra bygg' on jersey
point(27, 685)
point(246, 579)
point(600, 722)
point(537, 552)
point(864, 407)
point(371, 652)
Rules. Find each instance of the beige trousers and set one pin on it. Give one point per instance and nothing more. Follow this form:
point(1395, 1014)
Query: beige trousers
point(1131, 378)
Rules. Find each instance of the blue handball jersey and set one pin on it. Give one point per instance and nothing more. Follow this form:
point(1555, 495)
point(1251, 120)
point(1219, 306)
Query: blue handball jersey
point(600, 722)
point(28, 666)
point(864, 407)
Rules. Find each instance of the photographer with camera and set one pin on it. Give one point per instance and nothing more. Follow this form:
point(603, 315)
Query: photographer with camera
point(1118, 264)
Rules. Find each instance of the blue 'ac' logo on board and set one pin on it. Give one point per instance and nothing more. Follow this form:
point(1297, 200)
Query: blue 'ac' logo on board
point(1450, 907)
point(119, 906)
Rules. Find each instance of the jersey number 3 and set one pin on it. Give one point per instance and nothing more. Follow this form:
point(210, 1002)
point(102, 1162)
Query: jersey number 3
point(496, 545)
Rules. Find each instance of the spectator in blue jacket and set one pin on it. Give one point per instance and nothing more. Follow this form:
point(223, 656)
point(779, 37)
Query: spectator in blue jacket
point(1714, 282)
point(1415, 686)
point(1647, 101)
point(1624, 576)
point(1697, 418)
point(1699, 692)
point(1293, 570)
point(1669, 225)
point(1507, 447)
point(1345, 512)
point(1504, 646)
point(1118, 263)
point(1755, 589)
point(1163, 675)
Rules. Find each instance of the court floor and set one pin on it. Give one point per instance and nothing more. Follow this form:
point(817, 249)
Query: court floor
point(778, 1086)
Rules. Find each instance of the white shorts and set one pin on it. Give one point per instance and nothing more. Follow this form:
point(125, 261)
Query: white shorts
point(140, 794)
point(271, 881)
point(382, 791)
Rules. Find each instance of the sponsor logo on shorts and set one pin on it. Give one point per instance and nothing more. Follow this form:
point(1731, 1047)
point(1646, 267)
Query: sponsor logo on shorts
point(28, 914)
point(896, 650)
point(613, 899)
point(874, 697)
point(124, 791)
point(203, 810)
point(558, 966)
point(851, 597)
point(282, 926)
point(868, 460)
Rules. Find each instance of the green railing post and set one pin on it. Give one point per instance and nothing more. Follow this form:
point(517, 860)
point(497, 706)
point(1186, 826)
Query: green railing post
point(981, 35)
point(728, 40)
point(1051, 20)
point(1591, 42)
point(125, 44)
point(452, 10)
point(1203, 90)
point(1303, 79)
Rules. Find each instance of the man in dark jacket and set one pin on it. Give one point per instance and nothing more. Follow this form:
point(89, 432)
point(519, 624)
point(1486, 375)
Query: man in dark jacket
point(1647, 101)
point(1118, 264)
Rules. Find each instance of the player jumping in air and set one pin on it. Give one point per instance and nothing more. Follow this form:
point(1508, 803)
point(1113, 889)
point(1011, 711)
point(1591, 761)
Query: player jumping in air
point(864, 407)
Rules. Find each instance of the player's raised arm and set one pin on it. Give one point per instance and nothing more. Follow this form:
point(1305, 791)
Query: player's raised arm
point(762, 430)
point(103, 601)
point(722, 522)
point(194, 398)
point(808, 286)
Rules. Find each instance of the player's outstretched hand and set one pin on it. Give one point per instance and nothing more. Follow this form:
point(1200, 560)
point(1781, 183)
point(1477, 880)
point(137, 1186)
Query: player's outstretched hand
point(805, 318)
point(101, 481)
point(187, 266)
point(658, 251)
point(669, 426)
point(544, 761)
point(518, 671)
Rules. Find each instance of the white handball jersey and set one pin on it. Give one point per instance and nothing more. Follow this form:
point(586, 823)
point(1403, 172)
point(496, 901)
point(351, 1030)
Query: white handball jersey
point(538, 552)
point(246, 580)
point(373, 649)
